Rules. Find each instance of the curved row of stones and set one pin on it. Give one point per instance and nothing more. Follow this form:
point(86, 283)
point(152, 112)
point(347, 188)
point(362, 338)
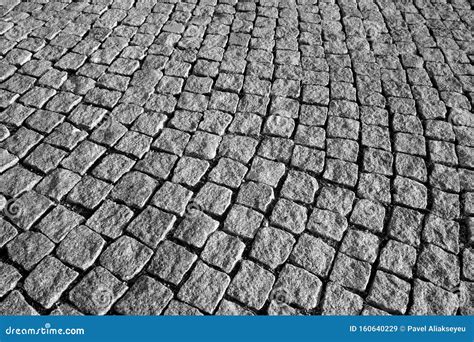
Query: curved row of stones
point(236, 157)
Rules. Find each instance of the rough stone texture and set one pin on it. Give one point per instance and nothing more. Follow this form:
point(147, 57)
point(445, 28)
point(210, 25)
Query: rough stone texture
point(204, 288)
point(171, 261)
point(368, 214)
point(125, 257)
point(146, 297)
point(177, 308)
point(195, 228)
point(272, 246)
point(389, 292)
point(398, 258)
point(181, 146)
point(58, 223)
point(242, 221)
point(228, 308)
point(429, 299)
point(406, 225)
point(298, 287)
point(438, 266)
point(27, 249)
point(97, 291)
point(15, 304)
point(339, 301)
point(313, 254)
point(360, 245)
point(289, 215)
point(80, 248)
point(327, 224)
point(223, 251)
point(351, 273)
point(48, 280)
point(151, 226)
point(10, 277)
point(251, 285)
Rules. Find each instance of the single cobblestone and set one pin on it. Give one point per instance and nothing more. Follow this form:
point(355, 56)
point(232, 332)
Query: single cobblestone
point(251, 285)
point(339, 301)
point(48, 280)
point(205, 287)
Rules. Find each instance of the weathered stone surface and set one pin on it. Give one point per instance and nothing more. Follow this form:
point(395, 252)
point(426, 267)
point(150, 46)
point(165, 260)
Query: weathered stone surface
point(255, 195)
point(429, 299)
point(242, 221)
point(172, 197)
point(213, 198)
point(228, 173)
point(327, 144)
point(251, 285)
point(442, 233)
point(28, 248)
point(48, 281)
point(189, 171)
point(223, 251)
point(10, 277)
point(89, 192)
point(339, 301)
point(204, 288)
point(171, 261)
point(80, 248)
point(298, 287)
point(336, 199)
point(327, 224)
point(438, 266)
point(7, 232)
point(134, 189)
point(125, 257)
point(228, 308)
point(97, 291)
point(15, 304)
point(406, 225)
point(368, 214)
point(289, 215)
point(59, 222)
point(146, 297)
point(177, 308)
point(313, 254)
point(266, 171)
point(350, 273)
point(110, 219)
point(272, 246)
point(299, 186)
point(195, 228)
point(58, 183)
point(17, 180)
point(389, 292)
point(398, 258)
point(360, 245)
point(27, 209)
point(151, 226)
point(112, 167)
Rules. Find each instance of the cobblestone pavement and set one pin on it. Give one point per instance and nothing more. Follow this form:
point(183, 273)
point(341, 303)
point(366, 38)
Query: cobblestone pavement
point(236, 157)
